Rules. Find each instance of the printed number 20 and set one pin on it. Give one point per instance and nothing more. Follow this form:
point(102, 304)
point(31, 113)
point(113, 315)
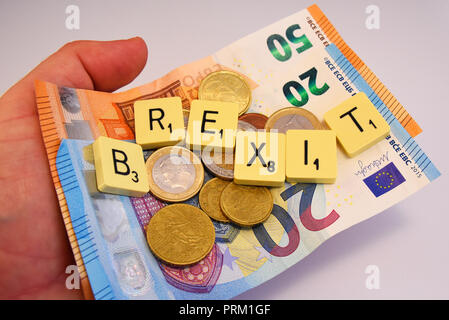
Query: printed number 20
point(286, 52)
point(291, 86)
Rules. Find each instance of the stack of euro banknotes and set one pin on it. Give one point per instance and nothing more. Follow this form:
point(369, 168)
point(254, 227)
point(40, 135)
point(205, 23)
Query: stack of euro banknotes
point(285, 64)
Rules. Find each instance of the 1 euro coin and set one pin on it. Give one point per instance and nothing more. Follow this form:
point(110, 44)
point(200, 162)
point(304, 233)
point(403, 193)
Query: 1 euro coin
point(292, 118)
point(175, 174)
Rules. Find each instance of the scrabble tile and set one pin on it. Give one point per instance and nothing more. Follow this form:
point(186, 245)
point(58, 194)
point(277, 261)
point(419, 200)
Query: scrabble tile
point(120, 167)
point(159, 122)
point(311, 156)
point(357, 123)
point(259, 158)
point(212, 124)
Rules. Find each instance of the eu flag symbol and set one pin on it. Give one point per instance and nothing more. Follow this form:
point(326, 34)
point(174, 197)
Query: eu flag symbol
point(384, 180)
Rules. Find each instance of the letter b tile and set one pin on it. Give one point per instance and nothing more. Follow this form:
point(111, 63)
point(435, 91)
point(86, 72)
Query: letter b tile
point(357, 123)
point(120, 167)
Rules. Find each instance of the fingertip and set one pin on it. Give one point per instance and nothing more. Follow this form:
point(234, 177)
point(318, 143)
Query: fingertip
point(138, 45)
point(139, 42)
point(113, 64)
point(140, 48)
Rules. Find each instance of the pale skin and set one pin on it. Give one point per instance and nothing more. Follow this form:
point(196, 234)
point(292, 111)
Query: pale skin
point(34, 248)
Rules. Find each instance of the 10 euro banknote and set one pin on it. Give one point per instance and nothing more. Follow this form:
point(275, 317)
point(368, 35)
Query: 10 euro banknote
point(300, 61)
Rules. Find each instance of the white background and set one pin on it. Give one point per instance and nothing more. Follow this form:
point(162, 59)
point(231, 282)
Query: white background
point(409, 242)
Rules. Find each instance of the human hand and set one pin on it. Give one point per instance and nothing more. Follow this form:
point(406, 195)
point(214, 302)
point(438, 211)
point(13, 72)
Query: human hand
point(34, 249)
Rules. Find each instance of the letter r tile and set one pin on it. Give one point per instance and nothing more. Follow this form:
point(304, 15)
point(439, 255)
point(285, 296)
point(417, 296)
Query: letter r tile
point(357, 123)
point(120, 167)
point(159, 122)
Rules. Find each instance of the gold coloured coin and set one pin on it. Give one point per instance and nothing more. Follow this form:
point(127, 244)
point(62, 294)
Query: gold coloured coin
point(227, 86)
point(175, 174)
point(292, 118)
point(209, 198)
point(180, 234)
point(246, 205)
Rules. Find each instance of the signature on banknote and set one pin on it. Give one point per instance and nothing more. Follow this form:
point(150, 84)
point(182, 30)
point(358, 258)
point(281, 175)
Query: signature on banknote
point(364, 169)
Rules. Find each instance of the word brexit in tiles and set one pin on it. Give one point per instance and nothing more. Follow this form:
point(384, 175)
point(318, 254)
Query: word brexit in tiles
point(260, 157)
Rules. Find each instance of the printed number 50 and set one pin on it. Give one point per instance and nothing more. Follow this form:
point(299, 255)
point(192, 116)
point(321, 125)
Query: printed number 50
point(286, 52)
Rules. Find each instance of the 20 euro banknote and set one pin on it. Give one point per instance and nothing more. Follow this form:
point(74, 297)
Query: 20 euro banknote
point(292, 62)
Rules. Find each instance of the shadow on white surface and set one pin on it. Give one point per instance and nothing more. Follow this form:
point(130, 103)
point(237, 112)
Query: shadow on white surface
point(311, 272)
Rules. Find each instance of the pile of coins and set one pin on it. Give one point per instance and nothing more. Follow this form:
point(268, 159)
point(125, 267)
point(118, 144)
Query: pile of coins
point(182, 234)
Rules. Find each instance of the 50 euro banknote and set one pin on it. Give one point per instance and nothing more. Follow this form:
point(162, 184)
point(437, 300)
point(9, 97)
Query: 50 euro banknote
point(300, 61)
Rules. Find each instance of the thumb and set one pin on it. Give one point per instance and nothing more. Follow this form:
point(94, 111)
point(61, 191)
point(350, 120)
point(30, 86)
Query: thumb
point(95, 65)
point(99, 65)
